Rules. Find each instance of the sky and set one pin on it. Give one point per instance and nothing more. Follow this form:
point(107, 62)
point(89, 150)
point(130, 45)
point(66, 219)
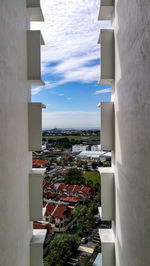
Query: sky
point(70, 64)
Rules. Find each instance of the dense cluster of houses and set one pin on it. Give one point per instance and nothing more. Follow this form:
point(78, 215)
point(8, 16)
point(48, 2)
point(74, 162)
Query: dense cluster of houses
point(59, 201)
point(67, 193)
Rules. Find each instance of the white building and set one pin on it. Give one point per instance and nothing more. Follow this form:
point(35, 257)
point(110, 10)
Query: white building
point(125, 130)
point(44, 147)
point(79, 147)
point(20, 134)
point(95, 147)
point(95, 155)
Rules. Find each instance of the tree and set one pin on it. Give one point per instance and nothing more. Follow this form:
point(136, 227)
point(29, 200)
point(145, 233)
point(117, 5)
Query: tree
point(94, 165)
point(107, 164)
point(97, 248)
point(85, 260)
point(90, 183)
point(74, 177)
point(97, 187)
point(63, 143)
point(97, 199)
point(100, 164)
point(81, 219)
point(86, 168)
point(85, 215)
point(60, 249)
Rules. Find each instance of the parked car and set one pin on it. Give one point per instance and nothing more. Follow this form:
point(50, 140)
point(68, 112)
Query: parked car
point(84, 240)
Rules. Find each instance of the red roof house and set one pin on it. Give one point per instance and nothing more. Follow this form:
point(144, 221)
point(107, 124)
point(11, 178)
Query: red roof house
point(37, 163)
point(38, 225)
point(59, 215)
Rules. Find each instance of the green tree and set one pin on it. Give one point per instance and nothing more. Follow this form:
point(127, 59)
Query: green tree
point(63, 143)
point(97, 248)
point(90, 183)
point(74, 177)
point(107, 164)
point(81, 217)
point(60, 249)
point(100, 164)
point(97, 186)
point(94, 165)
point(85, 260)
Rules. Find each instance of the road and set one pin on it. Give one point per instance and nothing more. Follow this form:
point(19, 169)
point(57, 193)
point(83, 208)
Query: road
point(87, 249)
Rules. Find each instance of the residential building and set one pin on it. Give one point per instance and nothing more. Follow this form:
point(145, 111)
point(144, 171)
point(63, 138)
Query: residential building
point(79, 147)
point(37, 163)
point(20, 134)
point(60, 190)
point(125, 130)
point(95, 147)
point(59, 216)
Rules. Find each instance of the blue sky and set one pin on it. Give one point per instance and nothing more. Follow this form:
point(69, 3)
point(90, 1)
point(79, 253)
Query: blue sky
point(70, 64)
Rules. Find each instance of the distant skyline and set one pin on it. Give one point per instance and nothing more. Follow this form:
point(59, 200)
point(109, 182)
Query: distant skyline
point(71, 64)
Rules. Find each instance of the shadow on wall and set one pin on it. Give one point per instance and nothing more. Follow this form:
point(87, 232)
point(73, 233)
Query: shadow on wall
point(132, 110)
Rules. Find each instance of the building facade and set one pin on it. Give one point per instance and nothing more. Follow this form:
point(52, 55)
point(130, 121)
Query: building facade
point(125, 130)
point(79, 147)
point(95, 147)
point(20, 124)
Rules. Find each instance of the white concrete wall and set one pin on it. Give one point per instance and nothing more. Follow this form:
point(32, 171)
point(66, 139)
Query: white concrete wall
point(15, 160)
point(132, 118)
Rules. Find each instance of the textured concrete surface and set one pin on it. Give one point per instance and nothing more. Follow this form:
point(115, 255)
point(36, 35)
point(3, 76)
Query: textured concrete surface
point(132, 126)
point(15, 160)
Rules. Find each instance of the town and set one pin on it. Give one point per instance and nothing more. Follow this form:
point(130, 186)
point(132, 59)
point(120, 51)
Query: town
point(71, 195)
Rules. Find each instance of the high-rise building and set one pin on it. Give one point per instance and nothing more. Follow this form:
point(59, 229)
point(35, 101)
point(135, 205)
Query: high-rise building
point(20, 134)
point(125, 130)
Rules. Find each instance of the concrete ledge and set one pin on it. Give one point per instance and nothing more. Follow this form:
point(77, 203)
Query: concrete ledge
point(106, 40)
point(107, 126)
point(35, 126)
point(107, 209)
point(106, 236)
point(108, 247)
point(38, 171)
point(34, 41)
point(36, 82)
point(36, 247)
point(106, 10)
point(35, 194)
point(105, 81)
point(105, 170)
point(34, 10)
point(100, 212)
point(38, 236)
point(43, 106)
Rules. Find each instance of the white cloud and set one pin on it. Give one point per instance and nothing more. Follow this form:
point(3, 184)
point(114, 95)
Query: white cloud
point(71, 119)
point(48, 85)
point(71, 31)
point(36, 90)
point(103, 91)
